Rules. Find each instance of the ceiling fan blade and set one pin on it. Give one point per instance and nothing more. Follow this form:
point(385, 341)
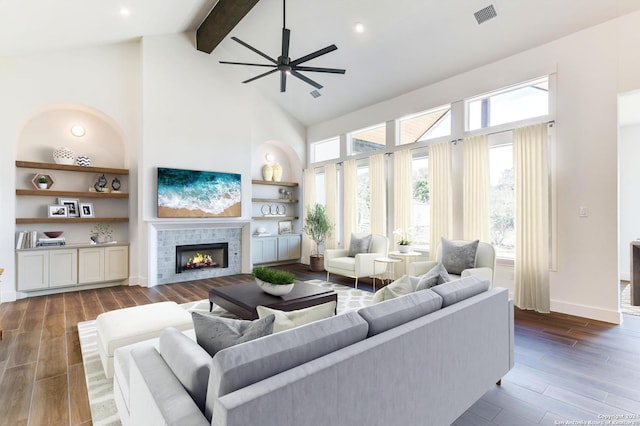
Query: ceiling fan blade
point(247, 63)
point(315, 54)
point(248, 46)
point(306, 79)
point(286, 35)
point(316, 69)
point(261, 75)
point(283, 82)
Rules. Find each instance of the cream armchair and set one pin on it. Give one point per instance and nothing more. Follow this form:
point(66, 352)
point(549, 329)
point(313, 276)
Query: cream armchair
point(485, 263)
point(337, 261)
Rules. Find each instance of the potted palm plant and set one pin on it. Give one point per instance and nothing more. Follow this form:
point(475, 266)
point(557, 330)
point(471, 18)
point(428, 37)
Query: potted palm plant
point(318, 228)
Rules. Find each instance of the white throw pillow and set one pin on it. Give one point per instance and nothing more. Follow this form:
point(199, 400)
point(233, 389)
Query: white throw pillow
point(291, 319)
point(404, 285)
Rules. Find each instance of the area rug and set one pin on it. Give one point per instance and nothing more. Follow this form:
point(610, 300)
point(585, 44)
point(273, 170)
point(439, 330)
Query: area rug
point(100, 389)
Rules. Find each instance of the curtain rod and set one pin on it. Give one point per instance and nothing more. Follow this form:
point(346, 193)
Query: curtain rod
point(455, 141)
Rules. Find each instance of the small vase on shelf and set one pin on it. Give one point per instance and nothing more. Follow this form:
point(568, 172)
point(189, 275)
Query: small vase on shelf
point(267, 172)
point(277, 172)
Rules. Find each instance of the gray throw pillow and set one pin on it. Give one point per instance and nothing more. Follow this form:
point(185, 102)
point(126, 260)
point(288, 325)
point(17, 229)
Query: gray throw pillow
point(436, 275)
point(215, 333)
point(359, 245)
point(458, 255)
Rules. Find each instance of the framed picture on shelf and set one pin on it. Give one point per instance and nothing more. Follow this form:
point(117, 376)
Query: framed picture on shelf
point(72, 206)
point(285, 227)
point(86, 210)
point(57, 210)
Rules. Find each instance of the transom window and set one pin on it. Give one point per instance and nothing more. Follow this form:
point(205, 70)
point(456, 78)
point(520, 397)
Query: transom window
point(328, 149)
point(527, 100)
point(367, 140)
point(424, 126)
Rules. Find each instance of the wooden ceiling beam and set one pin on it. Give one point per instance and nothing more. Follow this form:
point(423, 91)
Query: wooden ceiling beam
point(224, 16)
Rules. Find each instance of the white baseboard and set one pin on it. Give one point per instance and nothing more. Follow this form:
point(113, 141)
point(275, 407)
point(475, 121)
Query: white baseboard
point(625, 276)
point(8, 296)
point(584, 311)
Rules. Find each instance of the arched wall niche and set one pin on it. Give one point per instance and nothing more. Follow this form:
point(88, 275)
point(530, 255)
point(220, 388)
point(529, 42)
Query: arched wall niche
point(282, 154)
point(50, 127)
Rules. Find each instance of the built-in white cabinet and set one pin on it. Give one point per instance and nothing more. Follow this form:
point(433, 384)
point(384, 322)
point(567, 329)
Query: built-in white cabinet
point(42, 269)
point(276, 249)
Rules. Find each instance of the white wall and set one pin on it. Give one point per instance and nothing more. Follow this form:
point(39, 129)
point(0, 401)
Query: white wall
point(629, 196)
point(591, 67)
point(198, 115)
point(104, 78)
point(175, 106)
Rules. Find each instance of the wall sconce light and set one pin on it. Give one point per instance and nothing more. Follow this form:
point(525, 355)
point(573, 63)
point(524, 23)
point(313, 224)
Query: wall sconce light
point(78, 131)
point(269, 157)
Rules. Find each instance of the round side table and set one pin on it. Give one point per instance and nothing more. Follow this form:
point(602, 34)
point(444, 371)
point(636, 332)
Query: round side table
point(408, 258)
point(389, 269)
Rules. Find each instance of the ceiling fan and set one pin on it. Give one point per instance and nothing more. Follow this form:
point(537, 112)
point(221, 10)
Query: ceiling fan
point(284, 64)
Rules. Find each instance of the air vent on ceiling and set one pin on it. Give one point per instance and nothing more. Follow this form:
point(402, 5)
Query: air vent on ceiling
point(315, 94)
point(483, 15)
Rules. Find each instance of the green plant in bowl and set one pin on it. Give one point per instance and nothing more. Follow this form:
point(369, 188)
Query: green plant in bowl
point(273, 276)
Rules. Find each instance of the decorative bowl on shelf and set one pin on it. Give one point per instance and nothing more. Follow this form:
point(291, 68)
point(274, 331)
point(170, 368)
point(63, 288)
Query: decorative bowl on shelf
point(64, 155)
point(53, 234)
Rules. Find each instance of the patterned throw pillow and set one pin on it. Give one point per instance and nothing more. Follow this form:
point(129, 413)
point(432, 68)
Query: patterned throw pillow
point(436, 275)
point(215, 333)
point(458, 256)
point(359, 245)
point(284, 320)
point(404, 285)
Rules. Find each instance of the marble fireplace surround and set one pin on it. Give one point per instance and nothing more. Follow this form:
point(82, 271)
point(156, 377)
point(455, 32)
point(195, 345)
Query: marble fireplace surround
point(164, 236)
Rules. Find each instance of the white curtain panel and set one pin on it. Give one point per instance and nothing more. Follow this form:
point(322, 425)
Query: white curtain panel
point(350, 178)
point(402, 190)
point(532, 218)
point(331, 204)
point(440, 193)
point(378, 190)
point(476, 184)
point(309, 194)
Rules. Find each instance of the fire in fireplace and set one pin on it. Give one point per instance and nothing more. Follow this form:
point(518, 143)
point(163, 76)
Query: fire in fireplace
point(197, 256)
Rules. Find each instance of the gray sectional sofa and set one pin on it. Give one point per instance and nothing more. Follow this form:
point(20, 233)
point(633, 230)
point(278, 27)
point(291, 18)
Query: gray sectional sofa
point(423, 358)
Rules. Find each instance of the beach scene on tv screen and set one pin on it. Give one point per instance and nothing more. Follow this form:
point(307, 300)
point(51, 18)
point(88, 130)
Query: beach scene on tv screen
point(191, 193)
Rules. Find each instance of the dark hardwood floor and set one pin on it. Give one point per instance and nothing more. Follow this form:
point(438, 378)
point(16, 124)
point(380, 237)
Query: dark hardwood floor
point(567, 368)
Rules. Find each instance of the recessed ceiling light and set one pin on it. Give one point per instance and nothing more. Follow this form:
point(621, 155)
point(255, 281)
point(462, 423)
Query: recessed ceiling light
point(358, 27)
point(78, 131)
point(125, 12)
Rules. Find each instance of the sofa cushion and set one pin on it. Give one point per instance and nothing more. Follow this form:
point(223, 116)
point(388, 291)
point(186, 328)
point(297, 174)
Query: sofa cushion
point(215, 333)
point(391, 313)
point(458, 290)
point(458, 255)
point(189, 362)
point(284, 320)
point(437, 275)
point(241, 365)
point(404, 285)
point(359, 244)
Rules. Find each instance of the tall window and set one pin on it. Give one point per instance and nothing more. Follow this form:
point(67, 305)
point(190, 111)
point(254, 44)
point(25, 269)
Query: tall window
point(527, 100)
point(502, 205)
point(421, 212)
point(367, 140)
point(425, 125)
point(363, 199)
point(325, 150)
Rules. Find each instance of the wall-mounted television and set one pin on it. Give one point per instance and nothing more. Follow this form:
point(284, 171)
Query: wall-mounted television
point(191, 193)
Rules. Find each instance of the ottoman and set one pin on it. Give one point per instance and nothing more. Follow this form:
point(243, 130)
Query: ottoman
point(130, 325)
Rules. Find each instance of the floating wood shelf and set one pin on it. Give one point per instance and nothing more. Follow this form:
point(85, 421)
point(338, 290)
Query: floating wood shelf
point(77, 194)
point(29, 220)
point(273, 200)
point(88, 169)
point(270, 182)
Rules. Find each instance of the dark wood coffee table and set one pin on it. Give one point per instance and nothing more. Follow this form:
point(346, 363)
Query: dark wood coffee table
point(242, 299)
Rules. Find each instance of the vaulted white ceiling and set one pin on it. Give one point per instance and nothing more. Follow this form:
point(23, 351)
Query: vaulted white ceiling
point(406, 43)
